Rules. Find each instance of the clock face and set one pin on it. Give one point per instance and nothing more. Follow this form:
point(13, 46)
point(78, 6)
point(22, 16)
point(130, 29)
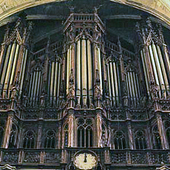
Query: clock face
point(85, 161)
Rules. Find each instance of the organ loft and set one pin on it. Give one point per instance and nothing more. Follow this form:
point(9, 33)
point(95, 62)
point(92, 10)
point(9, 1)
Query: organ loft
point(84, 86)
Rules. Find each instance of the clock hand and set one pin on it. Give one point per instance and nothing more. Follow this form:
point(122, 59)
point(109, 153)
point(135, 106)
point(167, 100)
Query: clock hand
point(85, 157)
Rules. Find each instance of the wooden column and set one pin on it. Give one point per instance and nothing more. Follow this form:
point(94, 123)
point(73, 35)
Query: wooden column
point(161, 131)
point(130, 134)
point(8, 130)
point(39, 136)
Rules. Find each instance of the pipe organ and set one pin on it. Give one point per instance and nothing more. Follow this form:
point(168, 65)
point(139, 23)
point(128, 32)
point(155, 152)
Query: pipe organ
point(154, 61)
point(83, 88)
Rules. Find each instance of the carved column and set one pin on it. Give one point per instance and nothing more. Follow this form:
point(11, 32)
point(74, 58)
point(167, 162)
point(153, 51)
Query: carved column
point(71, 129)
point(130, 134)
point(161, 131)
point(39, 135)
point(99, 129)
point(8, 130)
point(20, 136)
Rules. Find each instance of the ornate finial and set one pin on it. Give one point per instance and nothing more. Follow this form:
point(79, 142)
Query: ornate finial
point(149, 24)
point(71, 9)
point(119, 44)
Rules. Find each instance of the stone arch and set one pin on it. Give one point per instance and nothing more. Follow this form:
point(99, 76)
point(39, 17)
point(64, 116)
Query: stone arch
point(157, 8)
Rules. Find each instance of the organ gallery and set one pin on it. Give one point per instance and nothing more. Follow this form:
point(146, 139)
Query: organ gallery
point(84, 86)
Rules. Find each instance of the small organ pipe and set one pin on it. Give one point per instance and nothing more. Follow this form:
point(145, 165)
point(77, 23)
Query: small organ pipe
point(78, 71)
point(23, 71)
point(58, 84)
point(160, 75)
point(138, 87)
point(99, 67)
point(89, 69)
point(38, 86)
point(10, 63)
point(22, 61)
point(146, 59)
point(55, 80)
point(132, 85)
point(153, 65)
point(49, 79)
point(145, 72)
point(112, 82)
point(5, 64)
point(68, 70)
point(167, 58)
point(119, 86)
point(130, 89)
point(33, 85)
point(163, 67)
point(116, 84)
point(14, 64)
point(135, 85)
point(30, 89)
point(84, 68)
point(52, 79)
point(84, 72)
point(108, 69)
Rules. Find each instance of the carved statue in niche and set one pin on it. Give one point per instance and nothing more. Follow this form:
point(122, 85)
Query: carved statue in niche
point(71, 92)
point(97, 90)
point(154, 90)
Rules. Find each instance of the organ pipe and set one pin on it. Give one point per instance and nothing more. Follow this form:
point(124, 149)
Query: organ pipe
point(163, 67)
point(78, 72)
point(89, 70)
point(84, 72)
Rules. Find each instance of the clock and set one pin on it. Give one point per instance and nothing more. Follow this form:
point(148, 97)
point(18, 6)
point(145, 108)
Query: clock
point(85, 161)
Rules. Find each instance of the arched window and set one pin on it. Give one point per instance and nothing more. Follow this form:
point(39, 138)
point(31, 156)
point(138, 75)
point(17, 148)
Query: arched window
point(140, 140)
point(167, 129)
point(119, 140)
point(66, 135)
point(156, 138)
point(84, 133)
point(29, 139)
point(13, 137)
point(49, 139)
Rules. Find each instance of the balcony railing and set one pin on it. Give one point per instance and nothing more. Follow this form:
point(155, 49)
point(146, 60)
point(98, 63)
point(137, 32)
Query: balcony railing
point(54, 157)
